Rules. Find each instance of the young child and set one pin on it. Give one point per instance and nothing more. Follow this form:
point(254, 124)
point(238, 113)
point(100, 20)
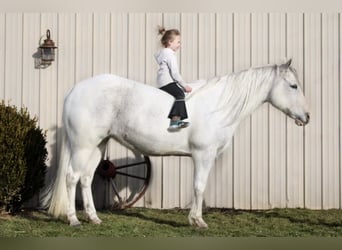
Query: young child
point(169, 79)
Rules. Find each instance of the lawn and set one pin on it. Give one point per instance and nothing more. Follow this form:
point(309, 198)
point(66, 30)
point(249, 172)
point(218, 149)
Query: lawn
point(143, 222)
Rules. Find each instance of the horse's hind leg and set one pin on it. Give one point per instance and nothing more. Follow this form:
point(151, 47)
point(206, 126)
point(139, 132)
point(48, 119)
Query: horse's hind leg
point(86, 180)
point(84, 162)
point(71, 180)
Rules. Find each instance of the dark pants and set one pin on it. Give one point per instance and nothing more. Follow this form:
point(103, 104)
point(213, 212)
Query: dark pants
point(178, 108)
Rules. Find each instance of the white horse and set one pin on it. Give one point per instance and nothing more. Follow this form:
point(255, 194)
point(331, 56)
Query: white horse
point(135, 115)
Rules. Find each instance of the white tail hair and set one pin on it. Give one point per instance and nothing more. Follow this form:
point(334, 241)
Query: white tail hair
point(59, 199)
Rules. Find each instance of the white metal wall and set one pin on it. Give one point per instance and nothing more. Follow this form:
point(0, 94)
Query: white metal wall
point(272, 162)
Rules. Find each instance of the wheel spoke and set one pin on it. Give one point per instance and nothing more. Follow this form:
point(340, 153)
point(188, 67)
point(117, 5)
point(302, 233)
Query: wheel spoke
point(133, 176)
point(115, 190)
point(131, 165)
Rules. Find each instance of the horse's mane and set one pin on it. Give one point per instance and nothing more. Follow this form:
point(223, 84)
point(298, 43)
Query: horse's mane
point(237, 89)
point(203, 85)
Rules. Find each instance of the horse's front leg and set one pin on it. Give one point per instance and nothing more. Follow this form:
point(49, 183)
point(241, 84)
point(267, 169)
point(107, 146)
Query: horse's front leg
point(203, 162)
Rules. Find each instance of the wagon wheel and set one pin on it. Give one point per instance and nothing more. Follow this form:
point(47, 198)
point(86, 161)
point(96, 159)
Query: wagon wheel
point(128, 182)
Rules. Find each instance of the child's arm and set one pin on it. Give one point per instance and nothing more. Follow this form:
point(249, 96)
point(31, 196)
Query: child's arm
point(173, 66)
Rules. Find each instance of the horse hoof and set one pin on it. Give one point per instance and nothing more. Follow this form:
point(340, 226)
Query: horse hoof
point(96, 221)
point(198, 223)
point(75, 224)
point(201, 225)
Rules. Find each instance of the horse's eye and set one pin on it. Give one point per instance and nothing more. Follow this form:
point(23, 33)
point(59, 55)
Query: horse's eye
point(294, 86)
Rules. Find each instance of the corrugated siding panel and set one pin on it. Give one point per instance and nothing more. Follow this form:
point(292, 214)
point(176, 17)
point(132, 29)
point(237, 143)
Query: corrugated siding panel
point(84, 46)
point(119, 45)
point(66, 70)
point(206, 70)
point(118, 66)
point(189, 70)
point(101, 65)
point(14, 58)
point(242, 138)
point(277, 120)
point(340, 106)
point(48, 91)
point(224, 64)
point(66, 59)
point(313, 90)
point(101, 46)
point(153, 196)
point(136, 71)
point(30, 75)
point(31, 83)
point(2, 54)
point(271, 163)
point(295, 153)
point(330, 110)
point(259, 119)
point(171, 165)
point(84, 58)
point(136, 47)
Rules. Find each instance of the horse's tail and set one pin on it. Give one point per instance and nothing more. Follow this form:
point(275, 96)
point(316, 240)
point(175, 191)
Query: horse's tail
point(59, 198)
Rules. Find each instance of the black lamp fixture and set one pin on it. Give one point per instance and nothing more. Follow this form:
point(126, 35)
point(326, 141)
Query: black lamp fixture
point(47, 51)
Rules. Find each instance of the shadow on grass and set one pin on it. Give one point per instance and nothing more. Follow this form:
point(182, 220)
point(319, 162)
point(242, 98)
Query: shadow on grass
point(302, 216)
point(44, 216)
point(37, 215)
point(151, 218)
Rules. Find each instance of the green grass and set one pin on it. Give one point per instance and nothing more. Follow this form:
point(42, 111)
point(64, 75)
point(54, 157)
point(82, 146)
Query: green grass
point(143, 222)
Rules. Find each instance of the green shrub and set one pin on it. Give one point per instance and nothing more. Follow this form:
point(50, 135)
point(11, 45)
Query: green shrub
point(22, 157)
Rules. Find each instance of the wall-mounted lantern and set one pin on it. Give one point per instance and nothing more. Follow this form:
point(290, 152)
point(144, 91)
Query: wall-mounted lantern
point(47, 51)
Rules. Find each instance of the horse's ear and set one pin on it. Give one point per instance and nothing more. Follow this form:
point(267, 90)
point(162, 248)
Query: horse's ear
point(286, 65)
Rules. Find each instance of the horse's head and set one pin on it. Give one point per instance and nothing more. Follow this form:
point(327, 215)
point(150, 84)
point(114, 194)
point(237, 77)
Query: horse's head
point(288, 96)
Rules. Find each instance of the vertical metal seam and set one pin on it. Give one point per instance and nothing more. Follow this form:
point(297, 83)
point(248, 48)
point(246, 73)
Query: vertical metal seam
point(304, 155)
point(268, 121)
point(180, 158)
point(321, 93)
point(215, 73)
point(127, 38)
point(75, 44)
point(145, 45)
point(215, 44)
point(145, 75)
point(180, 52)
point(129, 16)
point(162, 158)
point(251, 118)
point(110, 42)
point(232, 144)
point(286, 127)
point(22, 62)
point(93, 43)
point(57, 88)
point(40, 75)
point(339, 100)
point(198, 45)
point(5, 49)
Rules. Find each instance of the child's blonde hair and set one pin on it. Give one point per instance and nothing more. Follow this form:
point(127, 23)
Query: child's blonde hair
point(167, 35)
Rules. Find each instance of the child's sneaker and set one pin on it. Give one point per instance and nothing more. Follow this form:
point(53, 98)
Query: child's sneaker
point(177, 125)
point(183, 124)
point(173, 126)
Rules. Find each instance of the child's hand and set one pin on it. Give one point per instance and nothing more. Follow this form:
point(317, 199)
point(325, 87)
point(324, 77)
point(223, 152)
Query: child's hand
point(188, 89)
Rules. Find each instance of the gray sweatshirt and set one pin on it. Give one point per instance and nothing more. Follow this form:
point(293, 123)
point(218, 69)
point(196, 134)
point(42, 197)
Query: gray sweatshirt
point(168, 68)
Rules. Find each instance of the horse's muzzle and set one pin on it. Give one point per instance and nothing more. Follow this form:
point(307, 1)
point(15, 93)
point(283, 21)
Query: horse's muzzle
point(302, 122)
